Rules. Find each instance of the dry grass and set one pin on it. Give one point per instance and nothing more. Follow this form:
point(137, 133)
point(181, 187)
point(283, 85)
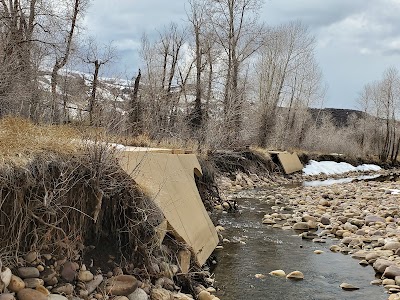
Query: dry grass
point(20, 139)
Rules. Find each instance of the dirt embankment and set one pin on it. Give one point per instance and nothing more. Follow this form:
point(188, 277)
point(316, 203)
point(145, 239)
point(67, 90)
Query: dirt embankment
point(73, 223)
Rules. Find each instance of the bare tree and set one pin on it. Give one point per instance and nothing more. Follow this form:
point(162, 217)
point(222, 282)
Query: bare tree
point(237, 31)
point(61, 59)
point(96, 56)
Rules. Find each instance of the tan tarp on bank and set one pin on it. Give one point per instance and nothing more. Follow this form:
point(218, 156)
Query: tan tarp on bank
point(289, 161)
point(168, 178)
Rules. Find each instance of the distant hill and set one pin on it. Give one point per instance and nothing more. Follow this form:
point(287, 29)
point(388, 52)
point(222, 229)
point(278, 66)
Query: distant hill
point(340, 116)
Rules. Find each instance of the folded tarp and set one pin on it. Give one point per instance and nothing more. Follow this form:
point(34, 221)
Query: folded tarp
point(168, 178)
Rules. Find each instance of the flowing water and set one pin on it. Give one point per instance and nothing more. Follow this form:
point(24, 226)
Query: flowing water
point(258, 249)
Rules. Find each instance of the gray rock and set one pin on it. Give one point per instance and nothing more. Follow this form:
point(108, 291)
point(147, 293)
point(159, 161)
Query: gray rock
point(66, 289)
point(381, 264)
point(373, 219)
point(138, 294)
point(48, 274)
point(56, 297)
point(7, 296)
point(392, 246)
point(33, 282)
point(69, 271)
point(28, 272)
point(30, 294)
point(92, 285)
point(392, 271)
point(122, 285)
point(30, 257)
point(325, 220)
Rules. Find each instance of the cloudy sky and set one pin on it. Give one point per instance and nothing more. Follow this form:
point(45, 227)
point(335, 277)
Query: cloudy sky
point(356, 39)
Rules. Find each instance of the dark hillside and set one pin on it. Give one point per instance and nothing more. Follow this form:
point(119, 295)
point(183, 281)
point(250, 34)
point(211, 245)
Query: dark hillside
point(340, 117)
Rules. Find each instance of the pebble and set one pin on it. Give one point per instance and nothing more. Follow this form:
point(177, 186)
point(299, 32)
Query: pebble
point(85, 276)
point(30, 257)
point(5, 276)
point(138, 294)
point(348, 287)
point(7, 296)
point(66, 289)
point(28, 272)
point(122, 285)
point(16, 284)
point(68, 272)
point(295, 275)
point(204, 295)
point(259, 276)
point(318, 251)
point(278, 273)
point(30, 294)
point(33, 282)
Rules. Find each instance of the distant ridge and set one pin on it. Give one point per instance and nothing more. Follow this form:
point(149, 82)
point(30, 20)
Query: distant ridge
point(340, 116)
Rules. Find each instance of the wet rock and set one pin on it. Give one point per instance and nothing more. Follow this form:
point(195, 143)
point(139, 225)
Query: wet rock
point(376, 282)
point(295, 275)
point(364, 263)
point(278, 273)
point(335, 248)
point(33, 282)
point(16, 284)
point(268, 221)
point(68, 272)
point(28, 272)
point(122, 285)
point(30, 294)
point(392, 271)
point(301, 226)
point(348, 287)
point(138, 294)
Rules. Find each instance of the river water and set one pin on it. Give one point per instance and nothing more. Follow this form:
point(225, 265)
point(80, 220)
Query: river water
point(256, 248)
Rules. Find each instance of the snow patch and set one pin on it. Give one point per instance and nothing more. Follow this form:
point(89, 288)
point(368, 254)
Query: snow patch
point(331, 167)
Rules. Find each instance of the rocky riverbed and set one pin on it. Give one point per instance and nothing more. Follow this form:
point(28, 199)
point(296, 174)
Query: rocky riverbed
point(361, 218)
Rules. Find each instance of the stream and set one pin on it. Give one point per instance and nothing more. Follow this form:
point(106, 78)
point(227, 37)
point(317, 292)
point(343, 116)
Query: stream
point(256, 248)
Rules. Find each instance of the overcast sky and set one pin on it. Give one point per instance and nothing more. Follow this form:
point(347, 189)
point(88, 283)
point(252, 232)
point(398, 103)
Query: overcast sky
point(356, 39)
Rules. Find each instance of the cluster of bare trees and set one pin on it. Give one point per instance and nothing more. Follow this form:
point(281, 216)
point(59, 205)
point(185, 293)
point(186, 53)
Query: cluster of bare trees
point(228, 79)
point(222, 78)
point(39, 36)
point(379, 129)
